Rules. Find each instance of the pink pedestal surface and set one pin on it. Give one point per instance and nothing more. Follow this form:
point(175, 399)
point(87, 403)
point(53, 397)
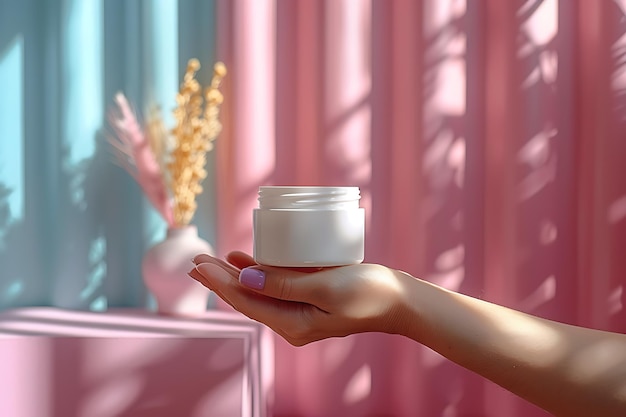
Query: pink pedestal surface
point(133, 363)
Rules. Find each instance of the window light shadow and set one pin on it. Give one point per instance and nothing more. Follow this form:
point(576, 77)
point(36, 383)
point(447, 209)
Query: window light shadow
point(617, 210)
point(614, 302)
point(12, 129)
point(5, 214)
point(359, 386)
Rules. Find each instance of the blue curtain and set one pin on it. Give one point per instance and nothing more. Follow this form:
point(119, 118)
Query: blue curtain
point(73, 224)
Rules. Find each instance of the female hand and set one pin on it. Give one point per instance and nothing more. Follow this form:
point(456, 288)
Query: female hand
point(306, 305)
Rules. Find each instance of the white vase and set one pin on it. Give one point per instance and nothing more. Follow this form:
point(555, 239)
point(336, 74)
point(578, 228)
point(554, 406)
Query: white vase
point(165, 267)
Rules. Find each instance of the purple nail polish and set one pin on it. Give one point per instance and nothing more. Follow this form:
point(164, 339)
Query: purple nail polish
point(252, 278)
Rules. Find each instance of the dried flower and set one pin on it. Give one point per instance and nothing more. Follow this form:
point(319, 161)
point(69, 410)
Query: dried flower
point(137, 156)
point(197, 125)
point(176, 169)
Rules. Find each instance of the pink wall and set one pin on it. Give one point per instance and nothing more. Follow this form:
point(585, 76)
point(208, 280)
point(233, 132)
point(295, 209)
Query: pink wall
point(488, 138)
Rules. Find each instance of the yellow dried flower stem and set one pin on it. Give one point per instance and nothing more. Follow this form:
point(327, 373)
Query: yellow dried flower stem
point(195, 129)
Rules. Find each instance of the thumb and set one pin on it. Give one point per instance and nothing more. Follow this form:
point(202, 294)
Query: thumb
point(285, 284)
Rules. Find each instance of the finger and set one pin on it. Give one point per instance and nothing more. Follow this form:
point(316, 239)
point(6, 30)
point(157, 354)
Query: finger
point(197, 275)
point(280, 315)
point(204, 258)
point(287, 284)
point(240, 259)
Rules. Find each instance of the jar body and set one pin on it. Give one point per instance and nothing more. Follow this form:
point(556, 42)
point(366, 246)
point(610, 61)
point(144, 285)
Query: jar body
point(310, 227)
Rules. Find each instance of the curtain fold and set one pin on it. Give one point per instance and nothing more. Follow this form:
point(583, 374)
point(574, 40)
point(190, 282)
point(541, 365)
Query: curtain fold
point(487, 138)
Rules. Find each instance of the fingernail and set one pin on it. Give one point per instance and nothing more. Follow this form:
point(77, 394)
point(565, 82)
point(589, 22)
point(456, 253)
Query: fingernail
point(252, 278)
point(195, 274)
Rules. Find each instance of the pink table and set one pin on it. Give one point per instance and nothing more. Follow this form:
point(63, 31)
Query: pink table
point(133, 363)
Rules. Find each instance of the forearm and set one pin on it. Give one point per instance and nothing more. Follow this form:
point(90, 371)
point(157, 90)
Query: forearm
point(567, 370)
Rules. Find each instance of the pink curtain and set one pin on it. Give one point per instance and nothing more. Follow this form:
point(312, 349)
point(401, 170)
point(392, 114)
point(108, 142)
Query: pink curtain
point(489, 141)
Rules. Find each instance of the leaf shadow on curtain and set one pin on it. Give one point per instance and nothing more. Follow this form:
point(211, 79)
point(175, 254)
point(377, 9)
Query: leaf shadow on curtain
point(551, 166)
point(551, 160)
point(76, 259)
point(20, 284)
point(11, 283)
point(450, 177)
point(92, 235)
point(543, 171)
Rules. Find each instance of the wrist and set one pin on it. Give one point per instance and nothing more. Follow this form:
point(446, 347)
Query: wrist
point(406, 317)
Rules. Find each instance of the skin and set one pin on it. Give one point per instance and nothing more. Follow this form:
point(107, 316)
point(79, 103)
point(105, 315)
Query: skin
point(567, 370)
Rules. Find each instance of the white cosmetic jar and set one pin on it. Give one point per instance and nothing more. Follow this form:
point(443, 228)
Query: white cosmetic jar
point(309, 226)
